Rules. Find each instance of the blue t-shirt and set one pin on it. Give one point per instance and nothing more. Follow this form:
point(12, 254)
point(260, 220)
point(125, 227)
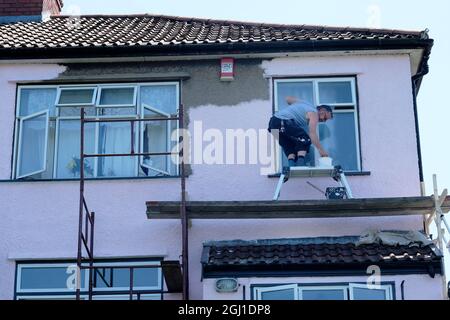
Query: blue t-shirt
point(297, 112)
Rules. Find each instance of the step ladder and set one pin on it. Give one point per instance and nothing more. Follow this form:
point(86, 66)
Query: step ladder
point(337, 173)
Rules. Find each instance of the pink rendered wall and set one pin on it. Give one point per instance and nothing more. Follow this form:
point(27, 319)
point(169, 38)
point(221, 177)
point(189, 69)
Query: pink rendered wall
point(416, 287)
point(39, 219)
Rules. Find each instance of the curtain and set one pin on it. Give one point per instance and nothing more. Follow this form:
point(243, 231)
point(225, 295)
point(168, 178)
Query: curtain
point(115, 138)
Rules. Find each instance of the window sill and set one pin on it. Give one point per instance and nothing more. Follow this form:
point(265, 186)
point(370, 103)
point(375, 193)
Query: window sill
point(91, 179)
point(347, 173)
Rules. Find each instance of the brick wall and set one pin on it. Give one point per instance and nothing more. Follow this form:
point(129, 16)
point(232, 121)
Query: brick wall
point(29, 7)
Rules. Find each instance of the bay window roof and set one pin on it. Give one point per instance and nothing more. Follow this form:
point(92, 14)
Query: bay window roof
point(318, 256)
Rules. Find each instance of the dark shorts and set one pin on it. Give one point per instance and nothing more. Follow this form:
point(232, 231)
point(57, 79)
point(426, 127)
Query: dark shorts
point(292, 138)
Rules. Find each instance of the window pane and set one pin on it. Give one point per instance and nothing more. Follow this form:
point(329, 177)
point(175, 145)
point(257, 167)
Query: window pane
point(335, 294)
point(163, 98)
point(117, 111)
point(115, 138)
point(338, 137)
point(285, 294)
point(46, 278)
point(35, 100)
point(33, 145)
point(76, 111)
point(335, 92)
point(68, 159)
point(300, 90)
point(157, 138)
point(142, 277)
point(369, 294)
point(117, 96)
point(77, 96)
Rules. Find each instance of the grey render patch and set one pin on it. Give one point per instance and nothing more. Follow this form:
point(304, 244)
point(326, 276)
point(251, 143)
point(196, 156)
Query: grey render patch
point(202, 88)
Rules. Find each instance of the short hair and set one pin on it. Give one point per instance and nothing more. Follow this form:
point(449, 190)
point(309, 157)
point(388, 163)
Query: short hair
point(327, 108)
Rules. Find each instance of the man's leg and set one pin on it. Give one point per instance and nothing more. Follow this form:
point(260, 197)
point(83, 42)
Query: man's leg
point(301, 162)
point(303, 146)
point(291, 160)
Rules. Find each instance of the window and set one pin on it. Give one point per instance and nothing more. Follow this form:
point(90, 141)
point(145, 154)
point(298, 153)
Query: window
point(362, 292)
point(44, 278)
point(47, 142)
point(323, 293)
point(350, 291)
point(287, 292)
point(111, 281)
point(117, 96)
point(338, 136)
point(78, 96)
point(33, 136)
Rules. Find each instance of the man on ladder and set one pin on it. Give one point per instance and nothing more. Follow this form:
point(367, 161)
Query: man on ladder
point(297, 127)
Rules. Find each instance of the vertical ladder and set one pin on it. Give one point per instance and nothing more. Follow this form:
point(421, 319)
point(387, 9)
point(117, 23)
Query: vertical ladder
point(438, 217)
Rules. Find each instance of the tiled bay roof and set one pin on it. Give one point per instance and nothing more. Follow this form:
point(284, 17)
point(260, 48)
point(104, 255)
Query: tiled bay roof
point(151, 30)
point(301, 255)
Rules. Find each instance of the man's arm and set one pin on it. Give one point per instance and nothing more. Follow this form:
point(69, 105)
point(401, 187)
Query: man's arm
point(313, 122)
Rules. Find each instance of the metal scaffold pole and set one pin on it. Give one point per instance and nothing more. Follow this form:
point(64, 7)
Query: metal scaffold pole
point(81, 206)
point(183, 213)
point(86, 218)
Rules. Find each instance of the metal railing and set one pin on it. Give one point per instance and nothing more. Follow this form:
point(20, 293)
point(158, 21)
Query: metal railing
point(131, 291)
point(87, 218)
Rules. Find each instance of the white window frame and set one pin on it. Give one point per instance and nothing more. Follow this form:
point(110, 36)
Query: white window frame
point(21, 266)
point(335, 79)
point(164, 114)
point(99, 96)
point(316, 97)
point(258, 291)
point(21, 293)
point(19, 143)
point(387, 289)
point(75, 88)
point(322, 288)
point(96, 98)
point(17, 121)
point(141, 108)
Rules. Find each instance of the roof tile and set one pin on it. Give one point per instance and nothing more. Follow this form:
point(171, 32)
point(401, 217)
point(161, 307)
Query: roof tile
point(319, 253)
point(144, 30)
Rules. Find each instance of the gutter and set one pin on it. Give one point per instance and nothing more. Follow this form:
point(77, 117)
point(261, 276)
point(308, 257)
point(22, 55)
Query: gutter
point(416, 81)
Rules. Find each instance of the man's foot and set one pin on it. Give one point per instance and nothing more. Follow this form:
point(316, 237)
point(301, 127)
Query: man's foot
point(287, 173)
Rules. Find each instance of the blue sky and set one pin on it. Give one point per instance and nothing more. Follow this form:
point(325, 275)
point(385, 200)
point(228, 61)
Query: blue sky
point(434, 106)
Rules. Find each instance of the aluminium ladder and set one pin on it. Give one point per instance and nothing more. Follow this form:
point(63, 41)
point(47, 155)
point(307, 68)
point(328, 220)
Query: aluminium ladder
point(337, 173)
